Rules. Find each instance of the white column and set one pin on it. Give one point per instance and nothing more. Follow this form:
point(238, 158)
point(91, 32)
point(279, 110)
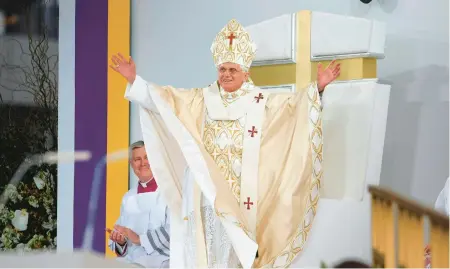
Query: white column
point(66, 124)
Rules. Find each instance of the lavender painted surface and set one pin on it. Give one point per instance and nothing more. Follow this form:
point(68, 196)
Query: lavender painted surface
point(91, 44)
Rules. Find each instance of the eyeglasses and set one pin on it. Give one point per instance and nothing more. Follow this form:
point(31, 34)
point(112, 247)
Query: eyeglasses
point(231, 71)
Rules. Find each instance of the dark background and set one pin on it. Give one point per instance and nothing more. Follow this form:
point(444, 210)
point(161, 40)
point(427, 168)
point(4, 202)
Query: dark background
point(38, 12)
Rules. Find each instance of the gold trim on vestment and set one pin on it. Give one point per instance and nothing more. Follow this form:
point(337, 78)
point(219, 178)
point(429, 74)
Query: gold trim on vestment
point(302, 74)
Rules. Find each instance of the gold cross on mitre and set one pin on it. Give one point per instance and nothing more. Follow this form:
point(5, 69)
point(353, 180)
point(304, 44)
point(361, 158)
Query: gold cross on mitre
point(233, 44)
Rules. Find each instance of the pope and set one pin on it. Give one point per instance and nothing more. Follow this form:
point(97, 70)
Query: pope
point(239, 167)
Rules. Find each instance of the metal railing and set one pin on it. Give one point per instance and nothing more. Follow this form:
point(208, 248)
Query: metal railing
point(400, 227)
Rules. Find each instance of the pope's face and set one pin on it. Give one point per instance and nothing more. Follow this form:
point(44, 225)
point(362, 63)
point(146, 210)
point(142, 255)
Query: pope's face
point(231, 76)
point(140, 164)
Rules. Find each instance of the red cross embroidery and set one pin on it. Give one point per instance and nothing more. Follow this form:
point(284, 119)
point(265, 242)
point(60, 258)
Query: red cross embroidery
point(248, 203)
point(231, 37)
point(259, 97)
point(253, 131)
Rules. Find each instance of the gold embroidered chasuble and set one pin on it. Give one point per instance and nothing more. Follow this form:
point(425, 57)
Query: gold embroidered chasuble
point(223, 140)
point(269, 144)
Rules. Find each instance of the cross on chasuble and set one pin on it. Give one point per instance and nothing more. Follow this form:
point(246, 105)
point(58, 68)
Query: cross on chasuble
point(240, 171)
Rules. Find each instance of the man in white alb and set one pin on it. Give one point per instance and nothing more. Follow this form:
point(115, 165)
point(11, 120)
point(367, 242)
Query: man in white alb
point(141, 234)
point(240, 167)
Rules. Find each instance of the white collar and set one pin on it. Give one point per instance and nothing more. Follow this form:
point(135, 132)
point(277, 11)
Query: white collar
point(144, 184)
point(236, 110)
point(230, 97)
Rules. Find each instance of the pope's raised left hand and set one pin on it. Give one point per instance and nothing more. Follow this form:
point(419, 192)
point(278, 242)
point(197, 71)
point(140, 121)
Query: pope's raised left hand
point(130, 234)
point(325, 77)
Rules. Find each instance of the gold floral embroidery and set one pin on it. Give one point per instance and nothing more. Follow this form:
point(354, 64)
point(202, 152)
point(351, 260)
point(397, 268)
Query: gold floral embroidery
point(230, 97)
point(233, 44)
point(223, 140)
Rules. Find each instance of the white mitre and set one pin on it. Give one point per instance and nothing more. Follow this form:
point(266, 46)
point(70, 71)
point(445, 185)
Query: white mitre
point(234, 45)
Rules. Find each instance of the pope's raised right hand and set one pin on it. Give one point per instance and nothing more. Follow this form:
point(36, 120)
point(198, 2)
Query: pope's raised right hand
point(126, 68)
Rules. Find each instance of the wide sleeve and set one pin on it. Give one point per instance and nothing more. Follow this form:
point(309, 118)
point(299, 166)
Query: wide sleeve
point(292, 102)
point(121, 251)
point(311, 91)
point(158, 239)
point(140, 92)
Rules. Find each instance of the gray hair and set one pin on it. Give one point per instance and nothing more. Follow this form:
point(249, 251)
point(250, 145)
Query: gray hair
point(135, 145)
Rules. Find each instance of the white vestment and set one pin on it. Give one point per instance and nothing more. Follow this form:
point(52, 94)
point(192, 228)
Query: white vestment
point(219, 249)
point(442, 202)
point(212, 184)
point(147, 215)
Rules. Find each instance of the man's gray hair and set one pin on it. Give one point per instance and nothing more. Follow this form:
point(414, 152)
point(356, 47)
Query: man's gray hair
point(135, 145)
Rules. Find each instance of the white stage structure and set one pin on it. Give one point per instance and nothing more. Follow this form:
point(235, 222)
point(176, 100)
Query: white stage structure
point(354, 121)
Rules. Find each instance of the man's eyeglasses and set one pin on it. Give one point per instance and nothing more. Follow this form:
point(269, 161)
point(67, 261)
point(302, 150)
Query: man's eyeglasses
point(231, 71)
